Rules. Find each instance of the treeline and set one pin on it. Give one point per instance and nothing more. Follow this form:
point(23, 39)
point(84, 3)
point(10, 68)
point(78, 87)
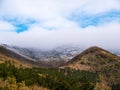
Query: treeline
point(55, 79)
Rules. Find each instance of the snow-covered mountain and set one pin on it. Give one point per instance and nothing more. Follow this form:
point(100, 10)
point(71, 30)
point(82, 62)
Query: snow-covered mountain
point(63, 53)
point(49, 58)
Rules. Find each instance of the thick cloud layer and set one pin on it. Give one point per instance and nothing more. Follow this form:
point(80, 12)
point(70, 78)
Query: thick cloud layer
point(51, 23)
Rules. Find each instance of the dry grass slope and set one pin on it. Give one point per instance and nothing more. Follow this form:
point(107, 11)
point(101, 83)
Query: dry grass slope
point(98, 60)
point(17, 63)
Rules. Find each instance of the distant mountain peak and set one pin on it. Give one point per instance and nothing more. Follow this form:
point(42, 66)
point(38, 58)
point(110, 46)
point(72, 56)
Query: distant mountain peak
point(93, 59)
point(93, 49)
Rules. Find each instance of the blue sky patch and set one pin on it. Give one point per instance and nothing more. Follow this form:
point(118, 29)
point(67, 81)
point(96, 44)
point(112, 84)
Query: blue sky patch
point(21, 28)
point(85, 20)
point(20, 25)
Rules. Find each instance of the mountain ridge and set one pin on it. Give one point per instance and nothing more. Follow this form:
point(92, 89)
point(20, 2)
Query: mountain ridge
point(100, 61)
point(12, 54)
point(91, 54)
point(9, 54)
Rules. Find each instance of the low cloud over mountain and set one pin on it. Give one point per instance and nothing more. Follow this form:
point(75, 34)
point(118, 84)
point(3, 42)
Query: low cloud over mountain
point(48, 24)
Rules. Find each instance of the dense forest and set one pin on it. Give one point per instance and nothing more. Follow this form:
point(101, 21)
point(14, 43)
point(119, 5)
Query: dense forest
point(54, 79)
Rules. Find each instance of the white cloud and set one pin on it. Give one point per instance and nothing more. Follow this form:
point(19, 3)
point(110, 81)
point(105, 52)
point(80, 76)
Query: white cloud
point(6, 26)
point(98, 6)
point(54, 14)
point(51, 9)
point(105, 36)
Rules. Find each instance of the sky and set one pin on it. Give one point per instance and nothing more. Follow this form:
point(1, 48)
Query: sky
point(51, 23)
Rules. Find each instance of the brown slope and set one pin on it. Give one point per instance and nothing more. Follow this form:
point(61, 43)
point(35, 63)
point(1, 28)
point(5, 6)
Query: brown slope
point(4, 58)
point(98, 60)
point(11, 54)
point(27, 60)
point(93, 58)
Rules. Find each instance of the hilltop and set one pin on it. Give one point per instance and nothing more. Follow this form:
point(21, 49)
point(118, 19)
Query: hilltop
point(96, 59)
point(93, 58)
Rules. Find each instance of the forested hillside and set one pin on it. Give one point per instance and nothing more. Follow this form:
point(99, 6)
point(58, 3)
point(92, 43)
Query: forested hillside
point(55, 79)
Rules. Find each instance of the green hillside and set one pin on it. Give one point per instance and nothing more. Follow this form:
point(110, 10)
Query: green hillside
point(55, 79)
